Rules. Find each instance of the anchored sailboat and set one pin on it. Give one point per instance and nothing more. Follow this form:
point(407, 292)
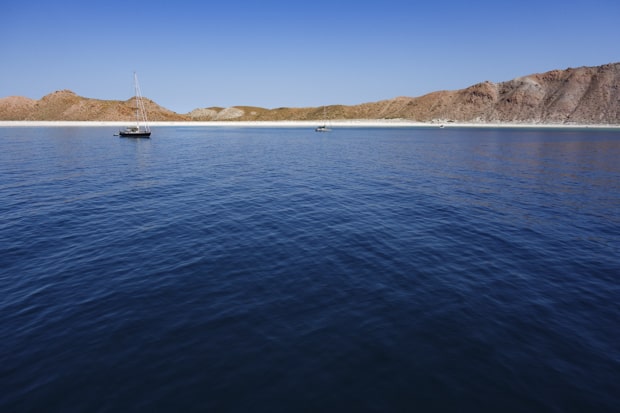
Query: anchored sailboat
point(141, 128)
point(323, 127)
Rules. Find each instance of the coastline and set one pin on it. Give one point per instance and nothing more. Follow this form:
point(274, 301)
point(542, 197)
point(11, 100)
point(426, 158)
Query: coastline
point(352, 123)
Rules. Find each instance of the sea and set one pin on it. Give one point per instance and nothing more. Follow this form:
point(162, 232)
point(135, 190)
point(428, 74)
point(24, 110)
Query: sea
point(258, 269)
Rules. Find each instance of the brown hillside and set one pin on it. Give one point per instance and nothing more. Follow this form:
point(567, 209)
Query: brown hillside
point(584, 95)
point(16, 107)
point(66, 105)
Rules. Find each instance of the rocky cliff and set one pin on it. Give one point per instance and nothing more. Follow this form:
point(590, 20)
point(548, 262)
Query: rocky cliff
point(585, 95)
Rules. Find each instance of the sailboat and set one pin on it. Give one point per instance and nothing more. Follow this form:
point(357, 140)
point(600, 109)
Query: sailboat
point(323, 127)
point(141, 128)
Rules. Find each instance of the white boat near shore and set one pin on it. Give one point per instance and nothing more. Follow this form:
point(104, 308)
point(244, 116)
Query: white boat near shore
point(323, 127)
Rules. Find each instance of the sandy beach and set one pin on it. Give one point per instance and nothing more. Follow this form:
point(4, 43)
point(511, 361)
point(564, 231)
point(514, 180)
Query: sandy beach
point(364, 123)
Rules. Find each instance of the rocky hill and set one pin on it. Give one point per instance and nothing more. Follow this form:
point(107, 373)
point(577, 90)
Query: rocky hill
point(585, 95)
point(66, 105)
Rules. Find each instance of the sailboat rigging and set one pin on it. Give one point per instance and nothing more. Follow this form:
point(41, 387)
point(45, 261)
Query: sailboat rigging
point(141, 128)
point(323, 127)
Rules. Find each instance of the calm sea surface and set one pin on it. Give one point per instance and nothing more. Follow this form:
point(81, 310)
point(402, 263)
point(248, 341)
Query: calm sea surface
point(281, 270)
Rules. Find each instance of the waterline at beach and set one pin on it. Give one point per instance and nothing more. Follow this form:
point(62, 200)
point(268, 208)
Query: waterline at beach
point(365, 123)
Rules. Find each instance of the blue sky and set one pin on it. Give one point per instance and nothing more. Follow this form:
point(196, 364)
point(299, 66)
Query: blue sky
point(271, 53)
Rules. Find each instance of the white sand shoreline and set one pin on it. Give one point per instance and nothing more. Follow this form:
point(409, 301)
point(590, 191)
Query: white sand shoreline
point(367, 123)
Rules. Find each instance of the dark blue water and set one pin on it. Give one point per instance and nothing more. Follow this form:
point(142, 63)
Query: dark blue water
point(280, 270)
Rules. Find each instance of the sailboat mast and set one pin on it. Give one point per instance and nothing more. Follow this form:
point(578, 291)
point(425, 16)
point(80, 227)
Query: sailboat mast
point(140, 108)
point(135, 90)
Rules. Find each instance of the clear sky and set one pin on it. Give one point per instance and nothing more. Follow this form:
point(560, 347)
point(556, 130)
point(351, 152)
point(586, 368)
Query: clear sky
point(272, 53)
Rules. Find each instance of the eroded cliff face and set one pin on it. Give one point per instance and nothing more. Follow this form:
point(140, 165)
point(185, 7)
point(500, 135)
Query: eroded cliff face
point(585, 95)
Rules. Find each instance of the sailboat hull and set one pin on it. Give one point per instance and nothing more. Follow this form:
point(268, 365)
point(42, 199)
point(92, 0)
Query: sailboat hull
point(141, 134)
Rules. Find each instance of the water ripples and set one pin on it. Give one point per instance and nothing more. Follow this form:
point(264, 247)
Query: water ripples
point(274, 270)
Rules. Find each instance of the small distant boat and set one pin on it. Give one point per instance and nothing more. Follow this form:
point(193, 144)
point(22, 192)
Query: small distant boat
point(141, 129)
point(323, 127)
